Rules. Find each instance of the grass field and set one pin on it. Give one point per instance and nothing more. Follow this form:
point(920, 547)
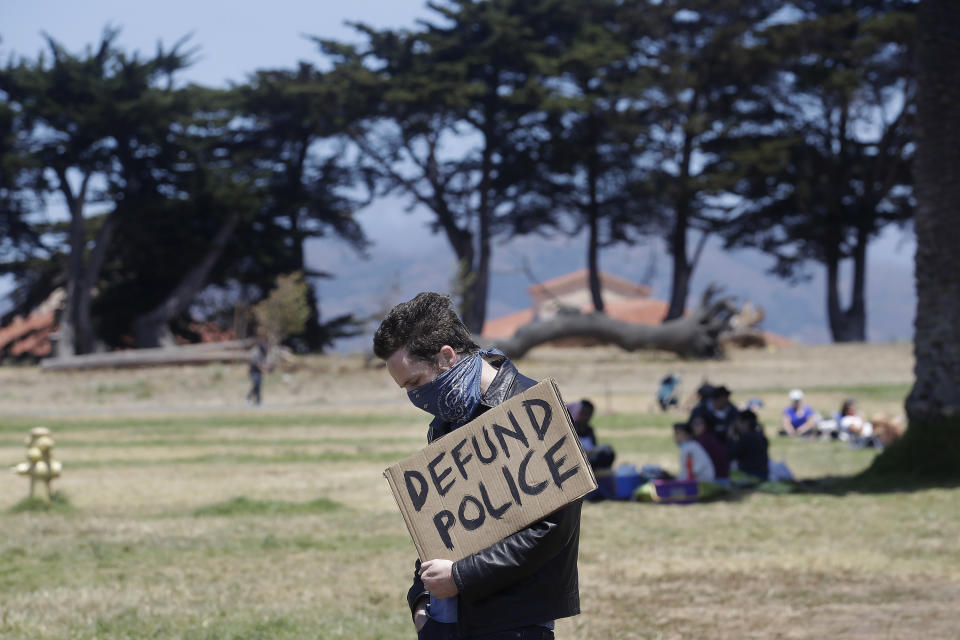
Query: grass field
point(189, 515)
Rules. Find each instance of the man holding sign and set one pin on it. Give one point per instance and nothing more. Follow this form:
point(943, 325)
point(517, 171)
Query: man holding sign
point(518, 586)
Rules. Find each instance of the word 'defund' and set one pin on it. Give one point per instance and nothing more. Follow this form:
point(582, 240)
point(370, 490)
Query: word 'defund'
point(490, 478)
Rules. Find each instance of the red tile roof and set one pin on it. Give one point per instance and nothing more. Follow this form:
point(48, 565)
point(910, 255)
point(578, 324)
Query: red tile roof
point(579, 280)
point(506, 326)
point(643, 311)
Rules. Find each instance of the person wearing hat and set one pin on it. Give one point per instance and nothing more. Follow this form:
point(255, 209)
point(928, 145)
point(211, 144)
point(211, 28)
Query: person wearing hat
point(798, 418)
point(717, 412)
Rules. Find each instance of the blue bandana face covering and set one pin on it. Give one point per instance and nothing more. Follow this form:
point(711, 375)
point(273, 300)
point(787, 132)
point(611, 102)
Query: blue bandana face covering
point(453, 395)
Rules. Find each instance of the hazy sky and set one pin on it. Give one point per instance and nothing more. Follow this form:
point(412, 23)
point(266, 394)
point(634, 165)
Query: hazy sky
point(234, 37)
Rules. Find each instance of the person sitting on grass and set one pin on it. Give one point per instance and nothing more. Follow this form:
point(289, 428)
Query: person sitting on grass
point(798, 418)
point(698, 398)
point(717, 412)
point(695, 463)
point(748, 446)
point(600, 456)
point(714, 449)
point(853, 427)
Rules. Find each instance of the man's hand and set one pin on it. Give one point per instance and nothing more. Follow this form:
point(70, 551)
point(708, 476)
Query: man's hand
point(437, 576)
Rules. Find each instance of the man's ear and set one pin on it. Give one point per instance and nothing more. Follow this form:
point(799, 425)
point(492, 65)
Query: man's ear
point(446, 357)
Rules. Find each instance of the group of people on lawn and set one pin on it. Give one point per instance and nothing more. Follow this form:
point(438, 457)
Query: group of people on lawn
point(719, 438)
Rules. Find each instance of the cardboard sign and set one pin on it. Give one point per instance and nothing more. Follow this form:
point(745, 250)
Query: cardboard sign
point(490, 478)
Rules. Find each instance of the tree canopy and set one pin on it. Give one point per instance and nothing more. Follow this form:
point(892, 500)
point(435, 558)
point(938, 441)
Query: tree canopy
point(783, 128)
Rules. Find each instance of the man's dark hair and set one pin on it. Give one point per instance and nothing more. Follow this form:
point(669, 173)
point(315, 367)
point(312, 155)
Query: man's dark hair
point(586, 404)
point(422, 325)
point(750, 419)
point(684, 427)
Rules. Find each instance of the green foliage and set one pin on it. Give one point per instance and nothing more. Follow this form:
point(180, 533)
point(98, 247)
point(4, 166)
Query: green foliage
point(284, 312)
point(825, 166)
point(455, 125)
point(242, 506)
point(99, 116)
point(503, 117)
point(180, 165)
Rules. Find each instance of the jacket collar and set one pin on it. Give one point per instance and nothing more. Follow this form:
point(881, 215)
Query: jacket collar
point(498, 391)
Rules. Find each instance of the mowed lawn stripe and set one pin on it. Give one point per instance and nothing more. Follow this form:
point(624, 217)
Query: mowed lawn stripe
point(131, 441)
point(187, 423)
point(290, 457)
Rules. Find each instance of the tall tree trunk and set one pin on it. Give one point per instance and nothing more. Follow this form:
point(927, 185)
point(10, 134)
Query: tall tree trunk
point(680, 282)
point(936, 391)
point(76, 330)
point(847, 325)
point(463, 247)
point(857, 312)
point(481, 279)
point(475, 311)
point(593, 245)
point(314, 333)
point(832, 263)
point(151, 329)
point(930, 449)
point(477, 283)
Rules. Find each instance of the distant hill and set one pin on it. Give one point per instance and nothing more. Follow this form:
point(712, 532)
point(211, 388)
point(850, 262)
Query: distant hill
point(406, 259)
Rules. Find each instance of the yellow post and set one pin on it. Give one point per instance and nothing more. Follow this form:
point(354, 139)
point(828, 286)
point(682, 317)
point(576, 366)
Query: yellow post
point(40, 464)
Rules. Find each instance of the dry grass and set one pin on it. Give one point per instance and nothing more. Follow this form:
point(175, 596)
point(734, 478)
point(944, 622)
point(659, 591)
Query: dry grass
point(143, 451)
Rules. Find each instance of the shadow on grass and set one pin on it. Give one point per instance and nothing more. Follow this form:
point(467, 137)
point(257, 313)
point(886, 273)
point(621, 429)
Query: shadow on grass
point(59, 503)
point(868, 483)
point(927, 457)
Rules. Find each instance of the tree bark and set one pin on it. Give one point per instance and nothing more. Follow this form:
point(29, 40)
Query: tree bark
point(151, 329)
point(850, 324)
point(857, 311)
point(477, 282)
point(593, 245)
point(680, 282)
point(936, 391)
point(694, 335)
point(76, 330)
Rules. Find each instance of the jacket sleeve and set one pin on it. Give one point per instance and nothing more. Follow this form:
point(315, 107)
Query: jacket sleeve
point(418, 590)
point(516, 556)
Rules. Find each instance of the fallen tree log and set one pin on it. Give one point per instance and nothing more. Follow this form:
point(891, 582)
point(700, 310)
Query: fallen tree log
point(233, 351)
point(696, 335)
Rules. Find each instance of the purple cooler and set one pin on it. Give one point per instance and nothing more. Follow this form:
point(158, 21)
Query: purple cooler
point(674, 491)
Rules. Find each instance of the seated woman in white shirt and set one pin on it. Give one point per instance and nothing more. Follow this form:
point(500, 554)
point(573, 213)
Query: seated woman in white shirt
point(695, 463)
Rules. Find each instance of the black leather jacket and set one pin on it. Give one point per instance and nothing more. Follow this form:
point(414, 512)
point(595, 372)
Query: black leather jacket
point(527, 578)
